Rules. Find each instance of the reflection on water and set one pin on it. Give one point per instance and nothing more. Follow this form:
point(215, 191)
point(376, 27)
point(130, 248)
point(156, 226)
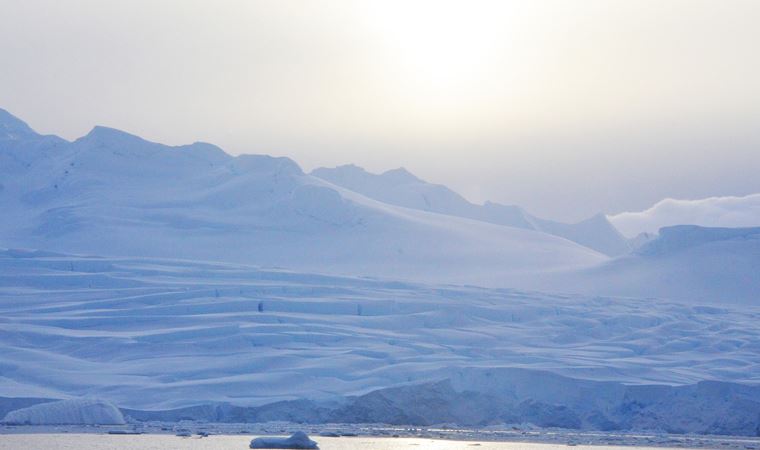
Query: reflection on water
point(168, 442)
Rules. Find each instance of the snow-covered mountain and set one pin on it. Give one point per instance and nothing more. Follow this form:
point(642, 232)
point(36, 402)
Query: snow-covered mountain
point(715, 266)
point(305, 304)
point(399, 187)
point(112, 193)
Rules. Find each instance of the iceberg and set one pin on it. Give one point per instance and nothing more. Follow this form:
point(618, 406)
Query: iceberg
point(299, 439)
point(67, 412)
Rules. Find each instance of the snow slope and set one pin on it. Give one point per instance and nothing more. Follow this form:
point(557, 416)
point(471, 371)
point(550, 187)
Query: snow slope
point(112, 193)
point(148, 333)
point(714, 266)
point(399, 187)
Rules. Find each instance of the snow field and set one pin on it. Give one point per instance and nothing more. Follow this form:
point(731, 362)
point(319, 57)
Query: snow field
point(149, 333)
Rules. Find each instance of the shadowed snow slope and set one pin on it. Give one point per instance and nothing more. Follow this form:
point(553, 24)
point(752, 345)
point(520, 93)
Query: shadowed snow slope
point(698, 264)
point(399, 187)
point(146, 333)
point(67, 412)
point(111, 193)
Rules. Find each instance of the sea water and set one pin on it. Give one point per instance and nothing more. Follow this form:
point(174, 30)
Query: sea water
point(66, 441)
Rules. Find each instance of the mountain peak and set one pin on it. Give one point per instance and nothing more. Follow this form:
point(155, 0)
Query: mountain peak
point(101, 136)
point(13, 128)
point(107, 133)
point(340, 171)
point(353, 174)
point(598, 219)
point(400, 175)
point(349, 168)
point(264, 163)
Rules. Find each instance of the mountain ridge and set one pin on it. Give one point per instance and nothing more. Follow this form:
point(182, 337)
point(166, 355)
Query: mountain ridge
point(114, 193)
point(402, 188)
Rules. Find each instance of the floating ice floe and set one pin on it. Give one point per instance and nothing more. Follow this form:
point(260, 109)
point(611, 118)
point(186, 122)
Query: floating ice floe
point(299, 440)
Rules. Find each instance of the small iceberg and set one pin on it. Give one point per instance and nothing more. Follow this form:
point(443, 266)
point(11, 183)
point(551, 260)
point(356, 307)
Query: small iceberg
point(67, 412)
point(298, 440)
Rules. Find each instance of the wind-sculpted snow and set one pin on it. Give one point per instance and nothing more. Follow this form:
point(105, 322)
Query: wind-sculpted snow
point(148, 333)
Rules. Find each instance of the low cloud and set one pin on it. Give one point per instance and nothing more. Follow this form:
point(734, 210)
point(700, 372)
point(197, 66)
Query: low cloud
point(710, 212)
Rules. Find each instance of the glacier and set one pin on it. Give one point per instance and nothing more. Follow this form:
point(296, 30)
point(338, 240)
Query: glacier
point(504, 398)
point(158, 335)
point(182, 282)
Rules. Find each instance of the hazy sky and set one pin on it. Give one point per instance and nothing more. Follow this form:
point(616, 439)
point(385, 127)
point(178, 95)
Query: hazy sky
point(565, 107)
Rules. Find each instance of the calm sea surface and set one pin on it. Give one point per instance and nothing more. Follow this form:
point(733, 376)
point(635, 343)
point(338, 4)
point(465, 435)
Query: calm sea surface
point(167, 442)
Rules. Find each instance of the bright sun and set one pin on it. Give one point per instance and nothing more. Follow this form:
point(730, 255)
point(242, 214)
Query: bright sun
point(442, 45)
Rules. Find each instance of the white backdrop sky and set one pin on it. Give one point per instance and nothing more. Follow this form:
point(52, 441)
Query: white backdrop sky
point(565, 107)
